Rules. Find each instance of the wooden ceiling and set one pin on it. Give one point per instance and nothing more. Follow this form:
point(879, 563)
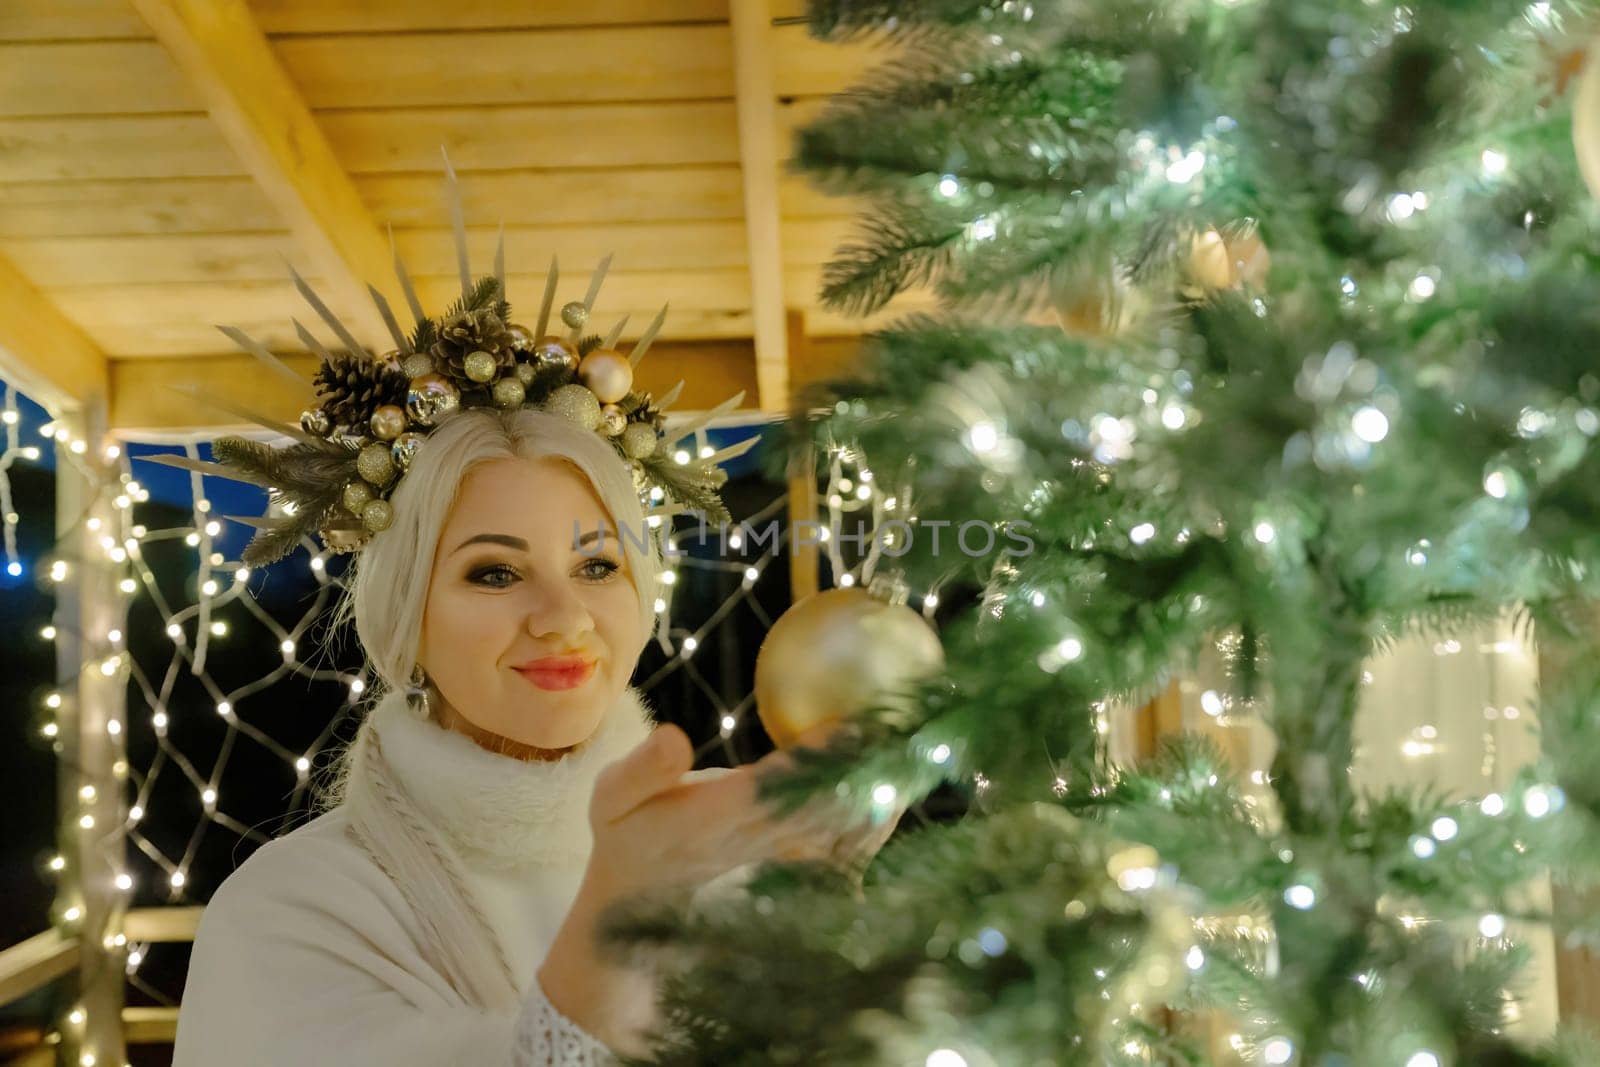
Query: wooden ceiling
point(162, 161)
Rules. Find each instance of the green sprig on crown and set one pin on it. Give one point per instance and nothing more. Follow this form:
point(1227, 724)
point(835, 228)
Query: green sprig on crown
point(351, 451)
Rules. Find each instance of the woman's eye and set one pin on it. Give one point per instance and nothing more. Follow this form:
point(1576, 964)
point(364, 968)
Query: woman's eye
point(599, 569)
point(497, 576)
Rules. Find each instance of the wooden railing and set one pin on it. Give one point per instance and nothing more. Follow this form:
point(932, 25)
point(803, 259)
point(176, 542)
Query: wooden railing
point(32, 964)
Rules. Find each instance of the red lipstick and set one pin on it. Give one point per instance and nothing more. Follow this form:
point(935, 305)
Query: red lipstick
point(557, 672)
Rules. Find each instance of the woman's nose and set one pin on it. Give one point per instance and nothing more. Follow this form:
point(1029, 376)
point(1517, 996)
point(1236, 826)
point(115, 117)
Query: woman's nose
point(558, 611)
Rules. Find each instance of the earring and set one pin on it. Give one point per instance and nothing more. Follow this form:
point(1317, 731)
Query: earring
point(419, 690)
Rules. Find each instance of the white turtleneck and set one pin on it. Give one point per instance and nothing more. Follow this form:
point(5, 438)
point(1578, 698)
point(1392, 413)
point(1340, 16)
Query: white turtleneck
point(520, 828)
point(311, 952)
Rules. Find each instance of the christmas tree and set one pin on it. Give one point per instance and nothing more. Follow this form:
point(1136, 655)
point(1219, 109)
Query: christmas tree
point(1272, 323)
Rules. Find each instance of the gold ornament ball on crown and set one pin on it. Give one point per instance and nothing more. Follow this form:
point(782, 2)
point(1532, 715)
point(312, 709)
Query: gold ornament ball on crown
point(479, 366)
point(509, 393)
point(613, 420)
point(356, 495)
point(404, 450)
point(552, 358)
point(416, 365)
point(377, 515)
point(430, 398)
point(526, 373)
point(608, 374)
point(375, 464)
point(575, 314)
point(834, 653)
point(522, 339)
point(576, 403)
point(388, 422)
point(639, 440)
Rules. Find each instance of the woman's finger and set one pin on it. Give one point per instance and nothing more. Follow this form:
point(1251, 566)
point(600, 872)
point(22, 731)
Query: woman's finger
point(653, 766)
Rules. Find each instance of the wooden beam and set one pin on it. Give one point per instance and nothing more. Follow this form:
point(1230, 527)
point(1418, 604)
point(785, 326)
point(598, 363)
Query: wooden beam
point(262, 116)
point(36, 962)
point(149, 1026)
point(145, 404)
point(42, 352)
point(751, 22)
point(170, 924)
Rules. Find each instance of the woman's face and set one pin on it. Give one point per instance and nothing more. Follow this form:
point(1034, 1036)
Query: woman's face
point(527, 634)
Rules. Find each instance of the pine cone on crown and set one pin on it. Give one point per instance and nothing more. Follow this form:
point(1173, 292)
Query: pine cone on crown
point(351, 388)
point(471, 331)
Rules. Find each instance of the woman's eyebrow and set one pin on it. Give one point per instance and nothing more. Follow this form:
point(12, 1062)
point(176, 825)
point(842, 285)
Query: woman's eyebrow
point(593, 535)
point(493, 539)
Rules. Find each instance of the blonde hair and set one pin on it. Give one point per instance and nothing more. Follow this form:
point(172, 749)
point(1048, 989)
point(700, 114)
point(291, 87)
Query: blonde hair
point(388, 583)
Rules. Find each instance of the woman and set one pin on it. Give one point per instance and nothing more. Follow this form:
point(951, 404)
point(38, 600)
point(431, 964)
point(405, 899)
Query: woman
point(507, 788)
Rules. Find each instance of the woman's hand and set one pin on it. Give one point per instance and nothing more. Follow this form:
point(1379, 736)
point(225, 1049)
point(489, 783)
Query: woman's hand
point(656, 833)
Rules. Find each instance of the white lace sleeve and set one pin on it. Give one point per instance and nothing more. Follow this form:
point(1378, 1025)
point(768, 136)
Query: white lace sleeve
point(547, 1038)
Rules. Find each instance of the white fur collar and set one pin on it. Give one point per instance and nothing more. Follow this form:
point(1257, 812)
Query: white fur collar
point(504, 813)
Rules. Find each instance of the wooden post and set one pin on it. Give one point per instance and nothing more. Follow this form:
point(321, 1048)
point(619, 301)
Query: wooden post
point(92, 673)
point(803, 559)
point(751, 25)
point(1577, 968)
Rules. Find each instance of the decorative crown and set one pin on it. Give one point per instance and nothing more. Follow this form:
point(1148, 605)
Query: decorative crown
point(351, 451)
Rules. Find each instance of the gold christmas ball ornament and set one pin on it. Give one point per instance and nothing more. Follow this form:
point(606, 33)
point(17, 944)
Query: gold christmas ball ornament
point(1099, 307)
point(612, 420)
point(526, 373)
point(553, 359)
point(1208, 261)
point(1251, 261)
point(835, 653)
point(1586, 122)
point(388, 422)
point(608, 374)
point(375, 464)
point(576, 403)
point(1217, 261)
point(479, 366)
point(404, 450)
point(509, 393)
point(575, 314)
point(356, 495)
point(431, 397)
point(639, 440)
point(416, 365)
point(377, 515)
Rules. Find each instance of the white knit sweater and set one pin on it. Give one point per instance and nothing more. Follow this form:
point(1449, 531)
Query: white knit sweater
point(405, 926)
